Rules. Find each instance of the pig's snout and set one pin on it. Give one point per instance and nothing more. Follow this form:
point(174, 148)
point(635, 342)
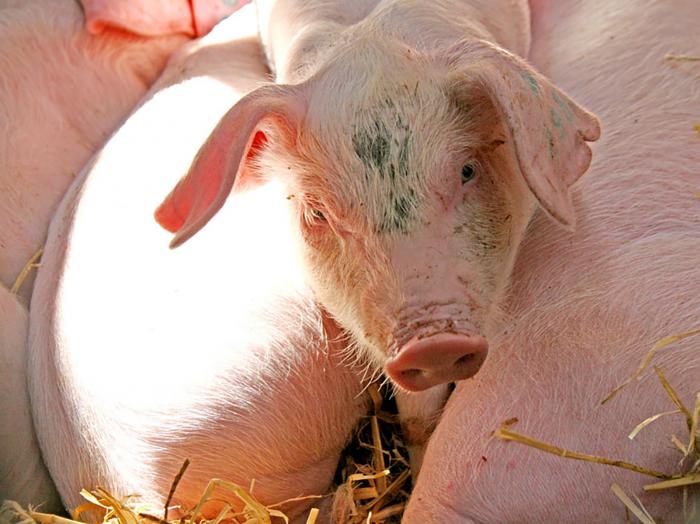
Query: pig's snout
point(427, 362)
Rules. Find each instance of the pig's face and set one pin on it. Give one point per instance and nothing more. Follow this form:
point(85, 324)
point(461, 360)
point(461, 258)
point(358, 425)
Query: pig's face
point(413, 179)
point(411, 209)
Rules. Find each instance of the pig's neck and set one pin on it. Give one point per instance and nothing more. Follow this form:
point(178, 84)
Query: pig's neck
point(298, 34)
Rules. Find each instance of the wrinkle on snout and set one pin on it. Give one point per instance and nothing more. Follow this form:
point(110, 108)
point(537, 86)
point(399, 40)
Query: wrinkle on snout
point(428, 319)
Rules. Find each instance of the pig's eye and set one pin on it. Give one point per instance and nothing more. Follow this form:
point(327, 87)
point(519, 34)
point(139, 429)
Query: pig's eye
point(317, 215)
point(468, 173)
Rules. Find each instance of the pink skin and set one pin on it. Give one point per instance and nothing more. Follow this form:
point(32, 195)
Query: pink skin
point(23, 476)
point(398, 244)
point(587, 307)
point(62, 92)
point(157, 17)
point(142, 357)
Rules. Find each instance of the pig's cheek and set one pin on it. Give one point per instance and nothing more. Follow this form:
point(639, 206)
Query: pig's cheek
point(317, 235)
point(321, 246)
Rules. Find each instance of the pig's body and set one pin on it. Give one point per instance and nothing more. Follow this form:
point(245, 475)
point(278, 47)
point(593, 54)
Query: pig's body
point(23, 476)
point(142, 357)
point(587, 307)
point(62, 92)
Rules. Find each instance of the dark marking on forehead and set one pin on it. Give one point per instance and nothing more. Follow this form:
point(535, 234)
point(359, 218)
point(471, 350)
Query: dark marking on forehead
point(372, 145)
point(399, 213)
point(383, 145)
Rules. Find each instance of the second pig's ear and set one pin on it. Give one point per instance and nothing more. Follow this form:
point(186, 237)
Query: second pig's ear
point(222, 159)
point(546, 128)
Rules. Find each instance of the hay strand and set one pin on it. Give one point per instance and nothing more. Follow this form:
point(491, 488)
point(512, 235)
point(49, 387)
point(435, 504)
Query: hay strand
point(694, 425)
point(313, 516)
point(45, 518)
point(26, 270)
point(153, 518)
point(649, 421)
point(647, 359)
point(393, 488)
point(378, 455)
point(294, 499)
point(673, 395)
point(388, 512)
point(253, 510)
point(637, 510)
point(687, 480)
point(681, 447)
point(173, 487)
point(681, 58)
point(506, 434)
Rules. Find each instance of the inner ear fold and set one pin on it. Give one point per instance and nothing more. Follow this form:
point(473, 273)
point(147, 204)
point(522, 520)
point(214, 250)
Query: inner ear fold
point(547, 129)
point(226, 156)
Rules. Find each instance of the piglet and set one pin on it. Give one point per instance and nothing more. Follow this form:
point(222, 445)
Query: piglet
point(585, 309)
point(415, 147)
point(141, 358)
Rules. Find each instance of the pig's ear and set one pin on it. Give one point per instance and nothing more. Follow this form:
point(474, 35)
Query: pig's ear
point(548, 129)
point(198, 196)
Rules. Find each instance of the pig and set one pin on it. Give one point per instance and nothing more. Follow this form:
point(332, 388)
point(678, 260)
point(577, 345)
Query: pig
point(586, 308)
point(62, 92)
point(416, 146)
point(141, 358)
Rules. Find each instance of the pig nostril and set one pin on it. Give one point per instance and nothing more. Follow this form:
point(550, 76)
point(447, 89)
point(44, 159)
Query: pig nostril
point(438, 359)
point(463, 360)
point(410, 374)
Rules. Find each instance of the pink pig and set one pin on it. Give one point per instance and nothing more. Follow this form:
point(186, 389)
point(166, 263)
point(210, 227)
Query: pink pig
point(414, 148)
point(141, 357)
point(62, 92)
point(586, 308)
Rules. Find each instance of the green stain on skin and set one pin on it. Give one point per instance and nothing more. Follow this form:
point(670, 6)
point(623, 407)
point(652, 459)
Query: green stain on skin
point(373, 146)
point(531, 81)
point(568, 113)
point(382, 140)
point(404, 149)
point(378, 149)
point(399, 214)
point(553, 153)
point(556, 121)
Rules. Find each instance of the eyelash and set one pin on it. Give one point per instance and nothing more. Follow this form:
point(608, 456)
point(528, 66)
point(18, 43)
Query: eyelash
point(312, 215)
point(317, 215)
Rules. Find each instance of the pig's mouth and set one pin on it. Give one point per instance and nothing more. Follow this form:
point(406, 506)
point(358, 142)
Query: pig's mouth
point(434, 353)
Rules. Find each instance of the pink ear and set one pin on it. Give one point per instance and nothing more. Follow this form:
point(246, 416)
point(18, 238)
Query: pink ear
point(548, 129)
point(202, 192)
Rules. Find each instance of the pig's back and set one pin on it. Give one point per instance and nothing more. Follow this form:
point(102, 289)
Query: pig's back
point(62, 92)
